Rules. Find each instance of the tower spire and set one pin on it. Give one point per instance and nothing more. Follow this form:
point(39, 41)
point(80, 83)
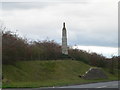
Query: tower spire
point(64, 40)
point(63, 24)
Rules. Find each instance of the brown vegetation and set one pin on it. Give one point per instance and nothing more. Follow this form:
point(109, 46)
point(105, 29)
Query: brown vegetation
point(16, 48)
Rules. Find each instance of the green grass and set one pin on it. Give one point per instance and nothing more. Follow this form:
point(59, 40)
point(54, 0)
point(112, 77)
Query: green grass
point(46, 73)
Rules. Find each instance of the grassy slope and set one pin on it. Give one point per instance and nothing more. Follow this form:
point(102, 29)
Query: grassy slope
point(45, 73)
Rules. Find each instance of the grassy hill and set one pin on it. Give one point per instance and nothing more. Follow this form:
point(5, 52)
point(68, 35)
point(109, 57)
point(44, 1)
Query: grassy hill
point(46, 73)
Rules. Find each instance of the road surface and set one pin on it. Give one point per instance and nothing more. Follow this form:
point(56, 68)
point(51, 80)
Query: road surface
point(113, 85)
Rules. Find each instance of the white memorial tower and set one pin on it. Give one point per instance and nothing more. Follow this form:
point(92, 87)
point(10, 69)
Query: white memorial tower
point(64, 40)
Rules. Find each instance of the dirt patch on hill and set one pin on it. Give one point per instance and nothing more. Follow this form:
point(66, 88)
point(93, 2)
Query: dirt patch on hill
point(94, 73)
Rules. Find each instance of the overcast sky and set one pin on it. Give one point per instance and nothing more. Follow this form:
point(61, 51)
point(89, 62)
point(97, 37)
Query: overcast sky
point(92, 23)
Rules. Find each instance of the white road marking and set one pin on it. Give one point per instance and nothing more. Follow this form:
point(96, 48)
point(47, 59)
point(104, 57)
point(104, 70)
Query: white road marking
point(102, 87)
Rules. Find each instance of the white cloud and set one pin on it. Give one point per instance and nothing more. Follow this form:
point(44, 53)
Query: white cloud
point(105, 51)
point(58, 0)
point(43, 0)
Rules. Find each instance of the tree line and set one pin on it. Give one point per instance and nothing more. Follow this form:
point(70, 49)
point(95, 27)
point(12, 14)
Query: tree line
point(15, 48)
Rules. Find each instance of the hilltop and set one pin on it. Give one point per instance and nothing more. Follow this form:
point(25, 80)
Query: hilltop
point(41, 63)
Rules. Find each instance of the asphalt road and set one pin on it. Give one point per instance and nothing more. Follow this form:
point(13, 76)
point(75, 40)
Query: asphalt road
point(113, 85)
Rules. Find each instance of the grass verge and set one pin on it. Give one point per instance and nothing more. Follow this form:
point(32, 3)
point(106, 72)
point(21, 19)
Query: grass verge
point(33, 74)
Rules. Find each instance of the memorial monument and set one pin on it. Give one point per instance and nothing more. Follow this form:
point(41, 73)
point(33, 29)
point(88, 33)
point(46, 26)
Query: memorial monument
point(64, 40)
